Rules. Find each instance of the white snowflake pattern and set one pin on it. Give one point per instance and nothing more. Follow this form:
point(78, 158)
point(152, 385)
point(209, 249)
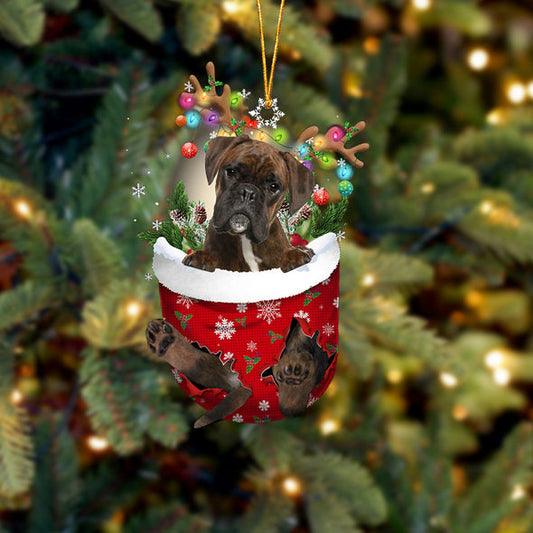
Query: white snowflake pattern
point(317, 187)
point(226, 357)
point(341, 235)
point(242, 307)
point(264, 405)
point(138, 191)
point(328, 329)
point(245, 94)
point(268, 310)
point(224, 328)
point(341, 162)
point(177, 376)
point(273, 121)
point(302, 314)
point(189, 86)
point(148, 276)
point(336, 302)
point(252, 346)
point(237, 418)
point(156, 224)
point(326, 281)
point(310, 141)
point(311, 400)
point(167, 156)
point(185, 301)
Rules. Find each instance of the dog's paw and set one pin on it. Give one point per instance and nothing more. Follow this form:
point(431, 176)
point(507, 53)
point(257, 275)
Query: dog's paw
point(200, 259)
point(159, 336)
point(296, 257)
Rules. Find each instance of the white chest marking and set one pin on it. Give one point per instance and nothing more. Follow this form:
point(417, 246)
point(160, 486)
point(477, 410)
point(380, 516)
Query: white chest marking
point(248, 254)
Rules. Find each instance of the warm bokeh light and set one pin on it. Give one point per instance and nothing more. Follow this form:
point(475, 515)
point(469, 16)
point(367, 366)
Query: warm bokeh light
point(448, 380)
point(486, 207)
point(16, 397)
point(421, 5)
point(371, 45)
point(329, 426)
point(134, 308)
point(530, 89)
point(516, 92)
point(494, 358)
point(518, 493)
point(501, 376)
point(231, 6)
point(427, 188)
point(394, 376)
point(478, 59)
point(495, 117)
point(292, 486)
point(97, 444)
point(459, 413)
point(368, 280)
point(23, 208)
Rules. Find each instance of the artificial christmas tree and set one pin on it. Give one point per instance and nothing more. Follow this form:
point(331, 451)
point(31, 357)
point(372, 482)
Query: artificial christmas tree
point(427, 423)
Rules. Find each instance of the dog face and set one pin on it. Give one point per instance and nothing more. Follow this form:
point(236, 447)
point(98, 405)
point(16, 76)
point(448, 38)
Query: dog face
point(252, 181)
point(301, 366)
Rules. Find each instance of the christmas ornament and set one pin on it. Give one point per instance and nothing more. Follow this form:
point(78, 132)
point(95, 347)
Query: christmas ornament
point(321, 197)
point(186, 100)
point(345, 188)
point(189, 150)
point(193, 119)
point(181, 120)
point(344, 172)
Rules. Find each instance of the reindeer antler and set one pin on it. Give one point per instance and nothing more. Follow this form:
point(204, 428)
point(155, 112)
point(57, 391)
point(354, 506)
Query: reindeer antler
point(209, 98)
point(335, 140)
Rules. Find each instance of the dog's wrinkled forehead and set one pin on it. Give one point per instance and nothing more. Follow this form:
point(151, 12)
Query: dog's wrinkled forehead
point(255, 158)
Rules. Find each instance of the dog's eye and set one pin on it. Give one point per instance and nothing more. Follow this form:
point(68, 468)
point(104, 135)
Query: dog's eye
point(231, 172)
point(274, 187)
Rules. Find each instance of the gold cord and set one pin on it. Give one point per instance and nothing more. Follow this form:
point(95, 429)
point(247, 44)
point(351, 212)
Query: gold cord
point(268, 84)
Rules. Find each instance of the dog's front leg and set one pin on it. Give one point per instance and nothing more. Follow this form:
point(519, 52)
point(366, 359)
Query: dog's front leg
point(201, 259)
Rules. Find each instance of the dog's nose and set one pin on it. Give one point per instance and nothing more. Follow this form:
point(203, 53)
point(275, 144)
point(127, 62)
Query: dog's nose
point(247, 193)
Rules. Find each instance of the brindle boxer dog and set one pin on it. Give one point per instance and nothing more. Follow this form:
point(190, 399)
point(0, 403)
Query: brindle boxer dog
point(301, 366)
point(252, 180)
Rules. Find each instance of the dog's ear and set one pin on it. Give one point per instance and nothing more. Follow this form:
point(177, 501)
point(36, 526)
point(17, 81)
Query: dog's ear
point(295, 333)
point(215, 149)
point(301, 182)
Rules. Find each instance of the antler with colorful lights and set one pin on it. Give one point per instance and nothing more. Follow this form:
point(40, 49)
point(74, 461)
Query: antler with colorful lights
point(207, 96)
point(334, 141)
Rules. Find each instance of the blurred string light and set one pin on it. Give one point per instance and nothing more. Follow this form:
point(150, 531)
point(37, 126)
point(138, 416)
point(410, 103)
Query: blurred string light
point(421, 5)
point(518, 493)
point(460, 413)
point(495, 117)
point(394, 376)
point(134, 308)
point(478, 59)
point(231, 6)
point(516, 92)
point(329, 426)
point(494, 358)
point(369, 280)
point(501, 376)
point(97, 444)
point(448, 380)
point(486, 207)
point(23, 208)
point(291, 486)
point(530, 89)
point(427, 188)
point(16, 397)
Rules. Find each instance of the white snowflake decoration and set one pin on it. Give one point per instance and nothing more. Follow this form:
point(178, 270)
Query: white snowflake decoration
point(213, 135)
point(189, 86)
point(336, 302)
point(252, 346)
point(156, 224)
point(237, 418)
point(317, 187)
point(302, 314)
point(328, 329)
point(185, 300)
point(242, 307)
point(268, 310)
point(245, 94)
point(311, 401)
point(341, 162)
point(276, 116)
point(148, 276)
point(264, 405)
point(138, 191)
point(226, 357)
point(326, 281)
point(310, 141)
point(167, 156)
point(341, 235)
point(224, 329)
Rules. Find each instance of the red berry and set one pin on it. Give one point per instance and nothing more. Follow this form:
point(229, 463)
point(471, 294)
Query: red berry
point(296, 240)
point(189, 150)
point(181, 120)
point(321, 197)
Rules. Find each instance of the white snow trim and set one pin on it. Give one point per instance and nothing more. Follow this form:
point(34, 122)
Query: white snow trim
point(244, 287)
